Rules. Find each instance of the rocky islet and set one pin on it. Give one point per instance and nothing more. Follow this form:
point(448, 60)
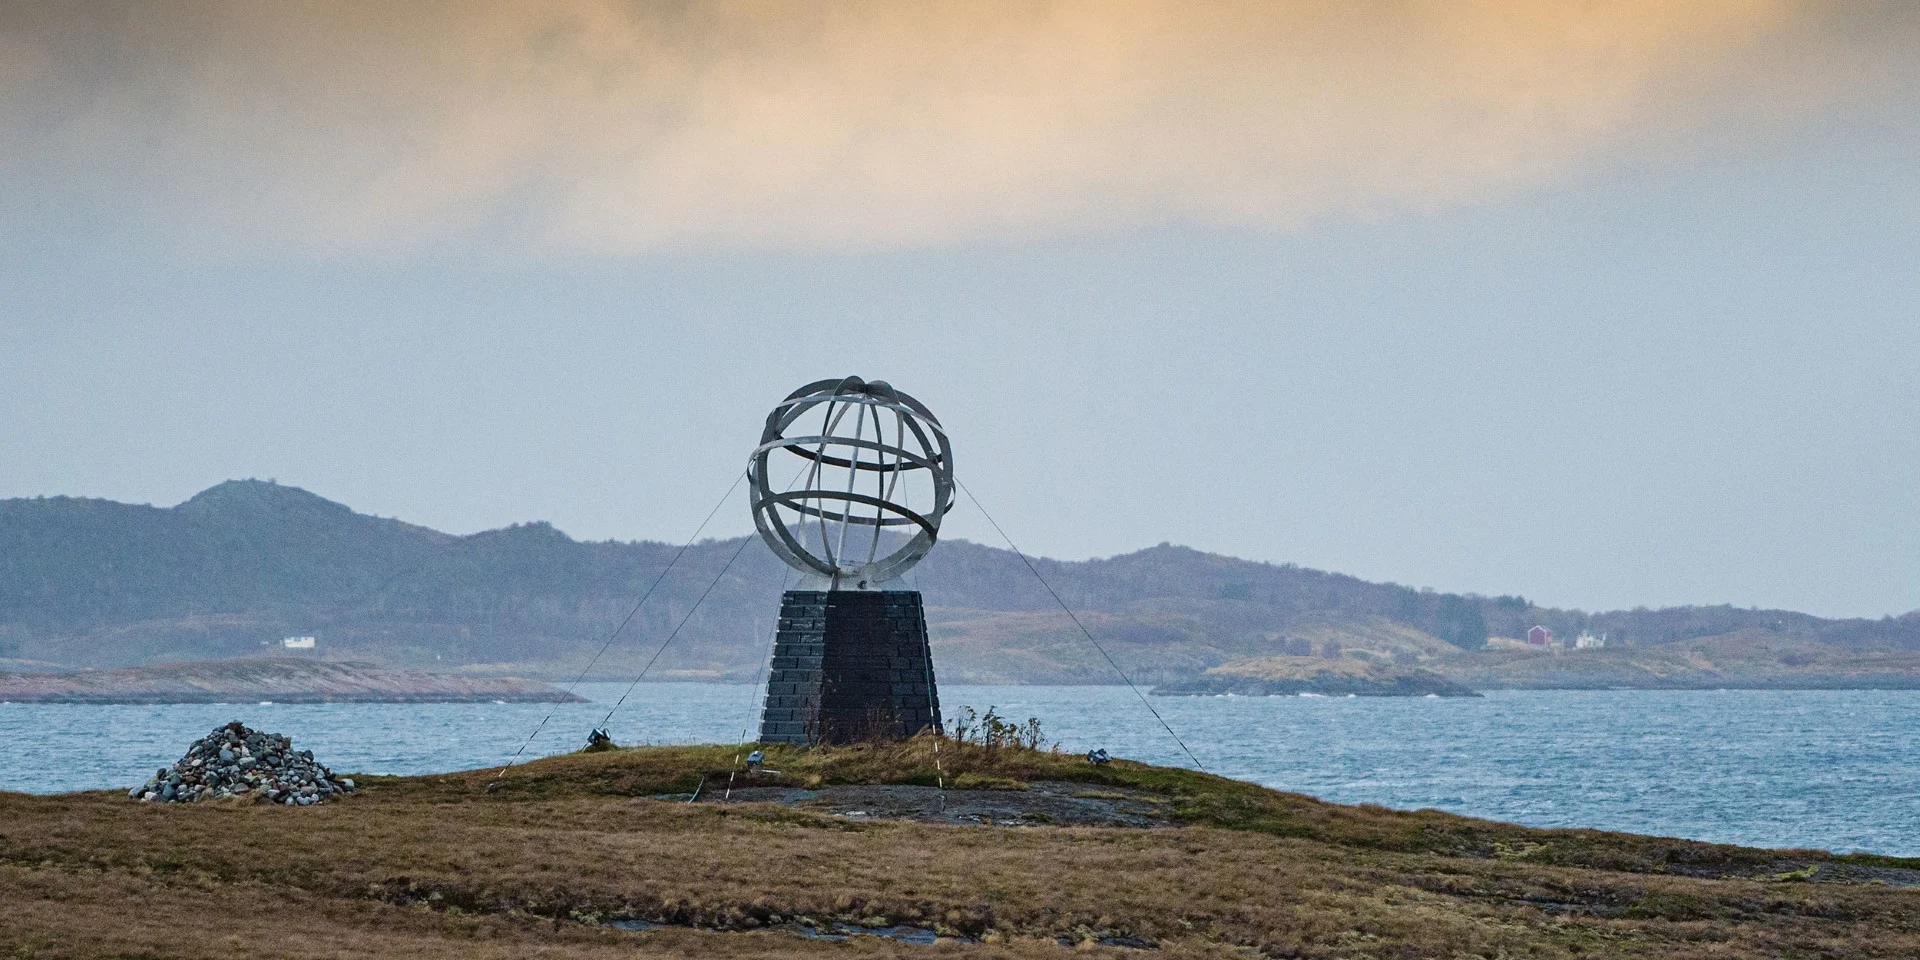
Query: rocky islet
point(234, 761)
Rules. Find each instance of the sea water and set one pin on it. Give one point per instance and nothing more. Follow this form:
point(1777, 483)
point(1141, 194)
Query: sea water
point(1835, 770)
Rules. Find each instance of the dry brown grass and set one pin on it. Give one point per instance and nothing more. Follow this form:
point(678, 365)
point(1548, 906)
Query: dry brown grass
point(434, 866)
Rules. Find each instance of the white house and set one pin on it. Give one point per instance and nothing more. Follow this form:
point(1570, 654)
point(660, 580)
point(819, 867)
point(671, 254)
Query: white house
point(298, 643)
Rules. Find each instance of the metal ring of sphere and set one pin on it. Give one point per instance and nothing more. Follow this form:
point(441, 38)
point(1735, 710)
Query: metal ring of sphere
point(917, 443)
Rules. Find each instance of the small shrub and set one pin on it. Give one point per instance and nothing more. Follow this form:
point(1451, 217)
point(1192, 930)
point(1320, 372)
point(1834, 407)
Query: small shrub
point(994, 732)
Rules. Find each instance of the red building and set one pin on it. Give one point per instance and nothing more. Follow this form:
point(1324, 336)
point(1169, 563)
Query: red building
point(1540, 637)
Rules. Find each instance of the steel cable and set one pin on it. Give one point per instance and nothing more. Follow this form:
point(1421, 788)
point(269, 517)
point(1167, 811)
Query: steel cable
point(1083, 629)
point(623, 626)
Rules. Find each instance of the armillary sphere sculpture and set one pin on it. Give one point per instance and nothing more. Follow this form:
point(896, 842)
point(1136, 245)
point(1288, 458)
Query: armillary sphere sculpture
point(875, 477)
point(872, 478)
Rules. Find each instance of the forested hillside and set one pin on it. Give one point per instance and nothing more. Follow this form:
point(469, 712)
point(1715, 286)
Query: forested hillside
point(234, 569)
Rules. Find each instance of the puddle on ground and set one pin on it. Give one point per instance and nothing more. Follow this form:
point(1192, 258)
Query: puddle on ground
point(834, 931)
point(902, 933)
point(843, 931)
point(1130, 943)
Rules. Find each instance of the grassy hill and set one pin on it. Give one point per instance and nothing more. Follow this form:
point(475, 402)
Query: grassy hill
point(599, 855)
point(1288, 675)
point(1744, 659)
point(230, 571)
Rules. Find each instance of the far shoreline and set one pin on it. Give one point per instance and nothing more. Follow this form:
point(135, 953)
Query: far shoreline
point(270, 680)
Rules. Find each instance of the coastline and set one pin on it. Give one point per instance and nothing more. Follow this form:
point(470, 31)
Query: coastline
point(275, 680)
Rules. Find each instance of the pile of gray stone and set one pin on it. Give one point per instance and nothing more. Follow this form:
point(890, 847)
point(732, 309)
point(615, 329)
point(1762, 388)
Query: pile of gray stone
point(234, 761)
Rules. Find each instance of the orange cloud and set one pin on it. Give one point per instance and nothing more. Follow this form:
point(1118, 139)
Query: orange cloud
point(609, 126)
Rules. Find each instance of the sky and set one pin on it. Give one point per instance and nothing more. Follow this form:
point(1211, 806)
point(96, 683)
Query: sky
point(1604, 304)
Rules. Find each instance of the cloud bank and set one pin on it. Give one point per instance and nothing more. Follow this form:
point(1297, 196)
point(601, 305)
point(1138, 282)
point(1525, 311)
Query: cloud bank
point(591, 125)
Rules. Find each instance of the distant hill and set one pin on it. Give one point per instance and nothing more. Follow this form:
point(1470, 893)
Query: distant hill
point(1286, 675)
point(229, 572)
point(1744, 659)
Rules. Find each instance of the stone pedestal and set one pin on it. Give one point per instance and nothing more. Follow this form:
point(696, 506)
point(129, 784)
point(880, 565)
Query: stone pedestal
point(850, 666)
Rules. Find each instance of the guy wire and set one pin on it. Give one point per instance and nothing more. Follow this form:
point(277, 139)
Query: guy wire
point(933, 703)
point(676, 630)
point(623, 625)
point(752, 695)
point(1083, 629)
point(696, 604)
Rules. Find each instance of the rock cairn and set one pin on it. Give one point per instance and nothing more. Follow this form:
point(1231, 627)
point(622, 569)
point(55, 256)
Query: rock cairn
point(234, 761)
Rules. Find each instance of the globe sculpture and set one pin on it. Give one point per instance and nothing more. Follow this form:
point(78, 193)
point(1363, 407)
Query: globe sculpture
point(874, 477)
point(849, 483)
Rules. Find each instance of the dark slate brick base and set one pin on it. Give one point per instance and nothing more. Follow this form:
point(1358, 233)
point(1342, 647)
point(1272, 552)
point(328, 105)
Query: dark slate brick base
point(850, 665)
